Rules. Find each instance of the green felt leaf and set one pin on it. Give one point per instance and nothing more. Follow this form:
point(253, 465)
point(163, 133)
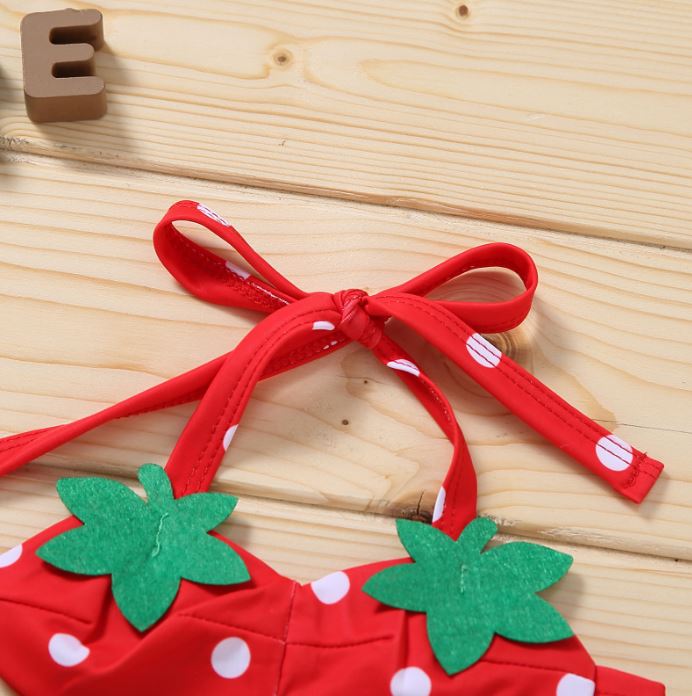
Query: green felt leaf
point(469, 595)
point(398, 586)
point(458, 647)
point(533, 567)
point(533, 621)
point(157, 486)
point(477, 534)
point(90, 499)
point(209, 509)
point(201, 564)
point(71, 551)
point(146, 547)
point(130, 587)
point(423, 542)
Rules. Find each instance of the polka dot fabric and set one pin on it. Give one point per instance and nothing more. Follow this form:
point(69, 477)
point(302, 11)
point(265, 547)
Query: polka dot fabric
point(63, 634)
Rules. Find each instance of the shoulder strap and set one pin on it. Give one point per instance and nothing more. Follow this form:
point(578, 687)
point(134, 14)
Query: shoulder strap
point(210, 430)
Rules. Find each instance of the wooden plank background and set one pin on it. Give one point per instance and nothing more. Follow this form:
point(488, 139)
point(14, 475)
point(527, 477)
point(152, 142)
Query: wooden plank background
point(557, 114)
point(564, 127)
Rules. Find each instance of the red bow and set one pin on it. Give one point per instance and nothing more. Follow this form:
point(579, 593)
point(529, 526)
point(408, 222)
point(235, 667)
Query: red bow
point(303, 326)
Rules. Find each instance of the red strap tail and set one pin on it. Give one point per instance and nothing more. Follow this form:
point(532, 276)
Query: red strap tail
point(629, 471)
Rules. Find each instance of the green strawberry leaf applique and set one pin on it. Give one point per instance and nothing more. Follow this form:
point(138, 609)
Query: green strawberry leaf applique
point(469, 595)
point(146, 547)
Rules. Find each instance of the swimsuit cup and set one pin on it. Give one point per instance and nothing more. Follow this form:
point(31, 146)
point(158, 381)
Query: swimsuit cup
point(62, 633)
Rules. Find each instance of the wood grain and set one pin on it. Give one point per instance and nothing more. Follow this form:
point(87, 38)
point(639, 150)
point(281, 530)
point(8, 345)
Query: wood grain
point(572, 116)
point(631, 612)
point(89, 317)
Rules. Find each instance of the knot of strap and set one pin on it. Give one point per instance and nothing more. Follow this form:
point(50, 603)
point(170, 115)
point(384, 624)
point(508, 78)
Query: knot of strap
point(302, 326)
point(356, 322)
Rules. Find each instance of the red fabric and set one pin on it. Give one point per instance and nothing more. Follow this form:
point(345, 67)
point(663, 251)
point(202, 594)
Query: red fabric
point(327, 637)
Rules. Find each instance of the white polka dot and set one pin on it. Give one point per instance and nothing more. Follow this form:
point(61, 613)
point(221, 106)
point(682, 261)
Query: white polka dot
point(482, 351)
point(410, 681)
point(10, 557)
point(572, 685)
point(237, 270)
point(404, 366)
point(67, 650)
point(439, 504)
point(213, 215)
point(323, 326)
point(229, 436)
point(230, 658)
point(614, 453)
point(331, 588)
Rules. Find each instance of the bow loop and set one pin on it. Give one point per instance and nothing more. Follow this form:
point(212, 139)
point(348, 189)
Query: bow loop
point(213, 278)
point(484, 317)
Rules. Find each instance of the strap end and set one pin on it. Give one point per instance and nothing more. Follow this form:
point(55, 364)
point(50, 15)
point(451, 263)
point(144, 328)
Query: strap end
point(645, 474)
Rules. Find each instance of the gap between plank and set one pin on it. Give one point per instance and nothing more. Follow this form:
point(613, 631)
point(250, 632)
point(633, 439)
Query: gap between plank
point(24, 154)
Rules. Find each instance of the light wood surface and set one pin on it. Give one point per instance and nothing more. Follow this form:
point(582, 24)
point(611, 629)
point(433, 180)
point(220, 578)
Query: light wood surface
point(556, 114)
point(570, 121)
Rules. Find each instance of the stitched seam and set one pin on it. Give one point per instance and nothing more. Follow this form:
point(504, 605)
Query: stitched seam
point(219, 270)
point(210, 260)
point(457, 273)
point(454, 465)
point(504, 365)
point(256, 358)
point(252, 379)
point(266, 291)
point(22, 603)
point(524, 665)
point(508, 324)
point(37, 434)
point(302, 354)
point(319, 646)
point(354, 644)
point(18, 444)
point(285, 640)
point(190, 615)
point(183, 399)
point(22, 436)
point(295, 357)
point(456, 474)
point(425, 381)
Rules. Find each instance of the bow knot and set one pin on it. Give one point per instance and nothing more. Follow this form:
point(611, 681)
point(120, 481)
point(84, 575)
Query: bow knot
point(356, 322)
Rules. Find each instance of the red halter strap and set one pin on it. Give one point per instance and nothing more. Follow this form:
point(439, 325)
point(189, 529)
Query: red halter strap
point(303, 326)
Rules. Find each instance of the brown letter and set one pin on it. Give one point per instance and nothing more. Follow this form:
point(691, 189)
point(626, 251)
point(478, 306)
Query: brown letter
point(58, 60)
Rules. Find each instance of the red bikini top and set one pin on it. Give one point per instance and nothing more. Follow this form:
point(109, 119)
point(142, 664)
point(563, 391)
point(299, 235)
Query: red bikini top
point(399, 628)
